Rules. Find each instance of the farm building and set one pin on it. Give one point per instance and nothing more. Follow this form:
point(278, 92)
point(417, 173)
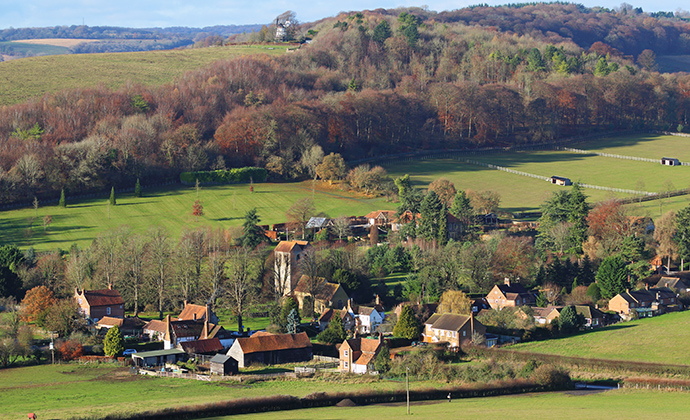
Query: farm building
point(670, 161)
point(158, 357)
point(223, 365)
point(559, 180)
point(270, 349)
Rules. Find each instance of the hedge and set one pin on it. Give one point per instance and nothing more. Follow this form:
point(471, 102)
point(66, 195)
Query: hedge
point(231, 176)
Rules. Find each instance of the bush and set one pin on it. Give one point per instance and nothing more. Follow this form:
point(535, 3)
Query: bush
point(230, 176)
point(551, 377)
point(70, 350)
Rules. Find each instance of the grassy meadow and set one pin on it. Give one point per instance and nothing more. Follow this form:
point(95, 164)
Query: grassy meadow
point(660, 339)
point(84, 391)
point(224, 206)
point(520, 193)
point(28, 78)
point(616, 404)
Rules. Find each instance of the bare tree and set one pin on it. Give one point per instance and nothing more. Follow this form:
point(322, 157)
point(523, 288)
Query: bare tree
point(217, 252)
point(107, 253)
point(310, 266)
point(664, 232)
point(189, 254)
point(158, 254)
point(341, 227)
point(79, 268)
point(299, 213)
point(243, 270)
point(133, 249)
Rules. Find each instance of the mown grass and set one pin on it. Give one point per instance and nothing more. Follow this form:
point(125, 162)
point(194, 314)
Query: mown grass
point(224, 207)
point(519, 193)
point(27, 78)
point(662, 339)
point(86, 391)
point(618, 404)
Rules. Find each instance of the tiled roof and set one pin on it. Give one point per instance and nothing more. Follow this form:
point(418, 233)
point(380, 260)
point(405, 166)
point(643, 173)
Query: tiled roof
point(273, 342)
point(388, 214)
point(188, 328)
point(156, 325)
point(220, 358)
point(364, 359)
point(433, 318)
point(103, 297)
point(202, 346)
point(672, 282)
point(365, 345)
point(110, 321)
point(287, 246)
point(451, 322)
point(588, 312)
point(190, 310)
point(262, 334)
point(367, 310)
point(325, 291)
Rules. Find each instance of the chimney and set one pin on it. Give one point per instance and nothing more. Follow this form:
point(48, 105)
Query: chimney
point(184, 303)
point(110, 286)
point(208, 313)
point(381, 337)
point(471, 324)
point(378, 300)
point(194, 316)
point(507, 281)
point(646, 286)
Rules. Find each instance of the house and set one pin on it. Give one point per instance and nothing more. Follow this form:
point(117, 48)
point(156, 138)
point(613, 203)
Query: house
point(673, 283)
point(173, 333)
point(454, 226)
point(95, 304)
point(510, 294)
point(287, 256)
point(656, 264)
point(381, 218)
point(346, 316)
point(452, 328)
point(271, 349)
point(593, 317)
point(326, 295)
point(423, 311)
point(478, 304)
point(357, 355)
point(158, 357)
point(367, 318)
point(647, 302)
point(223, 365)
point(670, 161)
point(131, 325)
point(545, 316)
point(192, 312)
point(559, 180)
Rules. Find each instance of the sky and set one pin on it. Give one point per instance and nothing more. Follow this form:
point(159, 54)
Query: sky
point(201, 13)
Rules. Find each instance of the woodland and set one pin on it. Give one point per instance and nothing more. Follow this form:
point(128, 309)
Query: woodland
point(367, 83)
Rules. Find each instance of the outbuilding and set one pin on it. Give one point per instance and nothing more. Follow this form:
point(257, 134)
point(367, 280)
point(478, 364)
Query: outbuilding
point(158, 357)
point(223, 365)
point(670, 161)
point(560, 180)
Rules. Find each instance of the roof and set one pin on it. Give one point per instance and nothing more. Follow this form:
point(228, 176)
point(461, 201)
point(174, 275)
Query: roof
point(588, 312)
point(367, 310)
point(433, 318)
point(192, 311)
point(365, 345)
point(273, 342)
point(364, 359)
point(188, 328)
point(156, 325)
point(103, 297)
point(316, 222)
point(388, 214)
point(202, 346)
point(132, 322)
point(562, 178)
point(288, 246)
point(110, 321)
point(220, 358)
point(157, 353)
point(450, 322)
point(262, 334)
point(672, 283)
point(325, 291)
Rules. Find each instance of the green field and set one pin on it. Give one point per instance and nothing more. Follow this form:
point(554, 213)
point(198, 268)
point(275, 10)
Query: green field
point(35, 49)
point(520, 193)
point(662, 339)
point(33, 77)
point(616, 404)
point(224, 206)
point(84, 391)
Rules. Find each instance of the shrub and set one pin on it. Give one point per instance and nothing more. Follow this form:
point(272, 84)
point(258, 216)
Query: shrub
point(70, 350)
point(551, 377)
point(230, 176)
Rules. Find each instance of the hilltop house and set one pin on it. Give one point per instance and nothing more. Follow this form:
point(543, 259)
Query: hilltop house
point(287, 256)
point(95, 304)
point(270, 349)
point(452, 328)
point(509, 294)
point(357, 355)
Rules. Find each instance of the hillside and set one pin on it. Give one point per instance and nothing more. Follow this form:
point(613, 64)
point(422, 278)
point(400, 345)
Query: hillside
point(660, 339)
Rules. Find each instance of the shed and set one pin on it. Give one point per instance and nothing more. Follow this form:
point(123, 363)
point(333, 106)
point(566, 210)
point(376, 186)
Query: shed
point(560, 180)
point(670, 161)
point(158, 357)
point(223, 365)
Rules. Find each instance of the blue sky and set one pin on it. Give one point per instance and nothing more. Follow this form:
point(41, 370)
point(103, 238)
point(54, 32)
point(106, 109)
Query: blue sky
point(200, 13)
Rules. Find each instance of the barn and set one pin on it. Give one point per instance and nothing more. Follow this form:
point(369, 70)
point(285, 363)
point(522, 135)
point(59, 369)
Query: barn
point(271, 349)
point(670, 161)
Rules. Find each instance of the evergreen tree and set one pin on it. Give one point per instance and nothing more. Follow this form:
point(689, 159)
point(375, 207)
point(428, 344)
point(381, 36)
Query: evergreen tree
point(594, 292)
point(289, 305)
point(62, 202)
point(462, 209)
point(252, 233)
point(293, 321)
point(335, 333)
point(137, 189)
point(578, 210)
point(113, 343)
point(407, 326)
point(568, 319)
point(682, 236)
point(382, 363)
point(430, 216)
point(112, 197)
point(612, 277)
point(382, 32)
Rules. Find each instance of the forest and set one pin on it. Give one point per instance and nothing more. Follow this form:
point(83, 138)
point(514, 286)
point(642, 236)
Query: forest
point(368, 83)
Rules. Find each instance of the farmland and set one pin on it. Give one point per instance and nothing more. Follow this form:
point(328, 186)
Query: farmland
point(224, 206)
point(567, 406)
point(622, 341)
point(33, 77)
point(520, 193)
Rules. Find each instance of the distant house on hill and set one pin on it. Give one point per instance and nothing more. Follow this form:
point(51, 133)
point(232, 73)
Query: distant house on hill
point(96, 304)
point(510, 294)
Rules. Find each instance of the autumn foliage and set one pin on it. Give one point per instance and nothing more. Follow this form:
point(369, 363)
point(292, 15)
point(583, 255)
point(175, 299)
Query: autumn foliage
point(36, 303)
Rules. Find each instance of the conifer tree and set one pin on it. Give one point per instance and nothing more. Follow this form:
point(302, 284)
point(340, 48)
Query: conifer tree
point(112, 197)
point(113, 343)
point(137, 189)
point(62, 202)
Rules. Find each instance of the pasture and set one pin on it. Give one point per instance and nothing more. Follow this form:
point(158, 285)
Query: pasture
point(171, 207)
point(619, 404)
point(662, 339)
point(33, 77)
point(90, 390)
point(520, 193)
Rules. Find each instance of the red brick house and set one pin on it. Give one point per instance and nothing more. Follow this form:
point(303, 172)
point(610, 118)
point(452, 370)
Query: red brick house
point(95, 304)
point(357, 355)
point(646, 302)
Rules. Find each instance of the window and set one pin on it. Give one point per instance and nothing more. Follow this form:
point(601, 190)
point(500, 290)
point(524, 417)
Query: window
point(107, 310)
point(345, 355)
point(464, 333)
point(345, 364)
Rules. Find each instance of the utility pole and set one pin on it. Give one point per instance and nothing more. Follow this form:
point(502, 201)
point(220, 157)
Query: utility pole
point(52, 348)
point(407, 384)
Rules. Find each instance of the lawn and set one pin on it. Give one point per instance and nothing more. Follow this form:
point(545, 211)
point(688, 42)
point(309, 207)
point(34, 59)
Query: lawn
point(27, 78)
point(224, 207)
point(83, 391)
point(520, 193)
point(662, 339)
point(616, 404)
